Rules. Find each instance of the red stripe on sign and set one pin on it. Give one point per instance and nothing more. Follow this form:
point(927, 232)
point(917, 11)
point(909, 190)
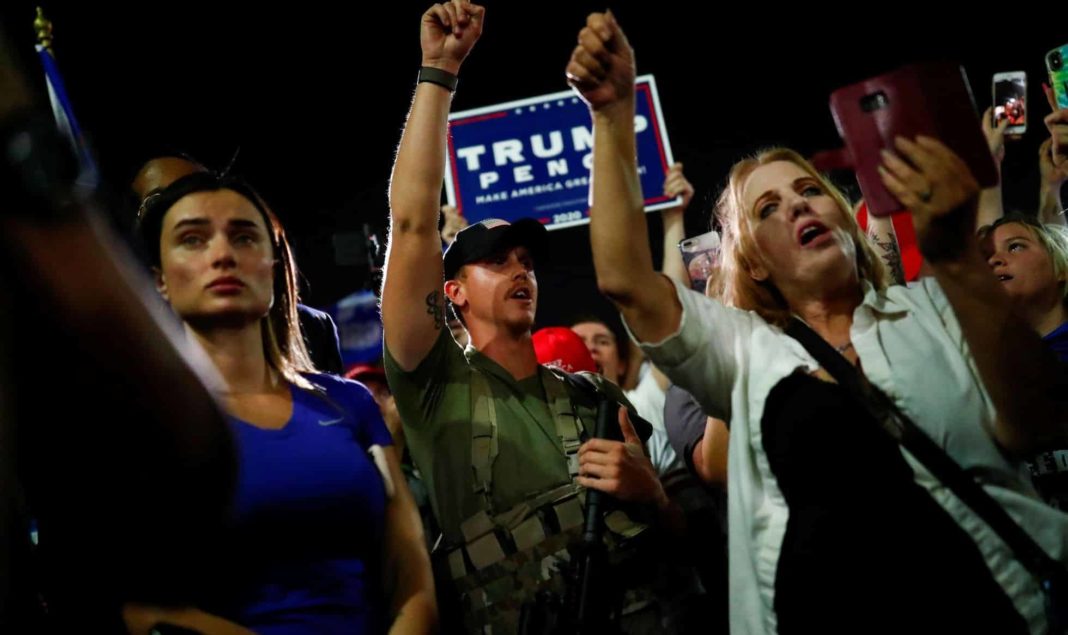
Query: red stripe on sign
point(656, 125)
point(455, 176)
point(466, 120)
point(452, 152)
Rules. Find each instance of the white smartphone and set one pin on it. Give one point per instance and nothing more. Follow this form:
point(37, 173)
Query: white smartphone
point(1010, 101)
point(700, 254)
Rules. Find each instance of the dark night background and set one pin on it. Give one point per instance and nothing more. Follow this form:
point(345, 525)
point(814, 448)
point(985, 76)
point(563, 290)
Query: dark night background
point(315, 94)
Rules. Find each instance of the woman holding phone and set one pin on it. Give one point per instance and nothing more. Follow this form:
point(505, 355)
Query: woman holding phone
point(832, 526)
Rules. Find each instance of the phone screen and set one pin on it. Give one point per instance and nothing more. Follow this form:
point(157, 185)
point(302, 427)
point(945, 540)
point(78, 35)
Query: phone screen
point(700, 254)
point(1010, 95)
point(1058, 74)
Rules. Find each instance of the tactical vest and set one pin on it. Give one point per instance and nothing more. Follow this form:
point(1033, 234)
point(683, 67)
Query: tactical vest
point(510, 556)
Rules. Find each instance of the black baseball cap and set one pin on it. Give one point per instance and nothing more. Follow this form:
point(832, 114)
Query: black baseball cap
point(489, 237)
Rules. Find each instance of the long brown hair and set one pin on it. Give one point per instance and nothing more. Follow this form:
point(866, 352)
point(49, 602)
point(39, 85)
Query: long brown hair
point(283, 344)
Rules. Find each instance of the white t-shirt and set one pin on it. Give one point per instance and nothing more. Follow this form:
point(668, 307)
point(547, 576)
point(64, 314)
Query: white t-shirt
point(648, 399)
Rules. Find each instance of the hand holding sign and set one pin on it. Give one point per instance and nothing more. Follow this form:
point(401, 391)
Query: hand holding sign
point(677, 185)
point(453, 223)
point(602, 65)
point(448, 33)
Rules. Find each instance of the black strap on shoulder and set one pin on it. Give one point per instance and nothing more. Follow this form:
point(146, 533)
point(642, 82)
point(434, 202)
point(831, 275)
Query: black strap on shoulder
point(898, 425)
point(584, 385)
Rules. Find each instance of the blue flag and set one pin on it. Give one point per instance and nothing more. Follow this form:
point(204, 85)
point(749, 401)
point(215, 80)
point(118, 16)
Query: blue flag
point(65, 119)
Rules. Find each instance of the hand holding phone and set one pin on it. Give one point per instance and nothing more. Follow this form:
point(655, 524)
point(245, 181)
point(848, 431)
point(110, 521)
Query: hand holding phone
point(1058, 74)
point(932, 100)
point(1010, 101)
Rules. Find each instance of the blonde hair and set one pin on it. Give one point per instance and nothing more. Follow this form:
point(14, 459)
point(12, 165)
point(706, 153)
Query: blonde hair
point(1053, 238)
point(735, 284)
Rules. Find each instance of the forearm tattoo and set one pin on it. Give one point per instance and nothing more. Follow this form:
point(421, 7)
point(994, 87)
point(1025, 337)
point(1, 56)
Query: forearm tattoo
point(892, 256)
point(435, 310)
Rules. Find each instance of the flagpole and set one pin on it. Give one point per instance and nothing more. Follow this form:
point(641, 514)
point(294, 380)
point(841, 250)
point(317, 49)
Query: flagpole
point(43, 27)
point(61, 106)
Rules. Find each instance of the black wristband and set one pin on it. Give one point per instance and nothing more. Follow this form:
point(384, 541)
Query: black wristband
point(439, 77)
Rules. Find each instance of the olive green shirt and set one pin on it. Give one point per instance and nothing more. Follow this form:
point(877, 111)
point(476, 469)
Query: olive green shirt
point(434, 402)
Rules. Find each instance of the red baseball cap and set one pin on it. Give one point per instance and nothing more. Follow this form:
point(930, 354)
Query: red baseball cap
point(561, 347)
point(366, 372)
